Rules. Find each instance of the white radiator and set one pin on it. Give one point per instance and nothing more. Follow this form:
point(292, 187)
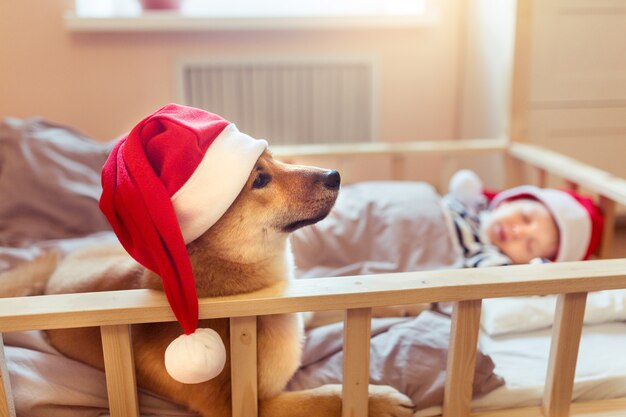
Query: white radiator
point(287, 101)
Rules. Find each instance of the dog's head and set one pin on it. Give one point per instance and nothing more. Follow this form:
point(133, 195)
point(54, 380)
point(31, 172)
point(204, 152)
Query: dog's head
point(277, 199)
point(286, 197)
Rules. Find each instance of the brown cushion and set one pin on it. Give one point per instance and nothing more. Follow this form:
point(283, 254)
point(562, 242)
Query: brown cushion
point(49, 182)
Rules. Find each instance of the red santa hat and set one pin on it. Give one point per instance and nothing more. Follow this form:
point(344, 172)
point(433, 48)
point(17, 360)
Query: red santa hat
point(164, 184)
point(578, 218)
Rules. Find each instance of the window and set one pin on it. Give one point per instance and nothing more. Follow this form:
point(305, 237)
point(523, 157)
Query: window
point(258, 8)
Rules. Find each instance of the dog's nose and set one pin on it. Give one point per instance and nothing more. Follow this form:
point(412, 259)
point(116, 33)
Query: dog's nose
point(332, 180)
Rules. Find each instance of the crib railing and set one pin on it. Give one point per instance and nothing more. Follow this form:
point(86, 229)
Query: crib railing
point(357, 295)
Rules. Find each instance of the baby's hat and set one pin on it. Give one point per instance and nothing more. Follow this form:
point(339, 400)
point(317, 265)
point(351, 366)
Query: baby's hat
point(579, 219)
point(163, 185)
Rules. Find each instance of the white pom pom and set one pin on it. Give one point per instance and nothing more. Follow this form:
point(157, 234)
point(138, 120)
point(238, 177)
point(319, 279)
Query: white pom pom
point(195, 358)
point(466, 187)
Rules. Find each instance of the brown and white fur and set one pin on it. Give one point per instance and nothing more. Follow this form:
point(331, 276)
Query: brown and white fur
point(245, 251)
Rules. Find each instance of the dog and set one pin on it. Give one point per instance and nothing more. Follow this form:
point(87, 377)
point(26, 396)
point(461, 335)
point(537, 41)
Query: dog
point(246, 251)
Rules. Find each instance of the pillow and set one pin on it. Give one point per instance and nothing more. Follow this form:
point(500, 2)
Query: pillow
point(523, 314)
point(49, 182)
point(409, 354)
point(377, 227)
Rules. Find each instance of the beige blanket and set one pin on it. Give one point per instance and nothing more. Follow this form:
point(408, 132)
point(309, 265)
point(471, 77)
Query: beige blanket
point(378, 227)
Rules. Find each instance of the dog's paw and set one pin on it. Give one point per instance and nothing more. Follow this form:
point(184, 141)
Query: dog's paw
point(385, 401)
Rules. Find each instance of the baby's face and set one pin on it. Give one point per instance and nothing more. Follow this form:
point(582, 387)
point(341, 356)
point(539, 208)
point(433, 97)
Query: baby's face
point(522, 230)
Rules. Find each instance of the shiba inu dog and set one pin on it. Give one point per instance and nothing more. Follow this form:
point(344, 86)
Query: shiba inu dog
point(245, 251)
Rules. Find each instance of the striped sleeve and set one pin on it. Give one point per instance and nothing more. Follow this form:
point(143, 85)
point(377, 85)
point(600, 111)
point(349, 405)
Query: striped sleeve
point(487, 256)
point(466, 225)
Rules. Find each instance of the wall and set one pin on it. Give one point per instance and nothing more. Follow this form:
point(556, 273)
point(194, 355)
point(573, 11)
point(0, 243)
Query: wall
point(104, 83)
point(487, 60)
point(577, 77)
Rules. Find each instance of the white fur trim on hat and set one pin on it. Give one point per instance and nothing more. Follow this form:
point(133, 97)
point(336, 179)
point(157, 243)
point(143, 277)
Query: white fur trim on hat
point(216, 182)
point(570, 216)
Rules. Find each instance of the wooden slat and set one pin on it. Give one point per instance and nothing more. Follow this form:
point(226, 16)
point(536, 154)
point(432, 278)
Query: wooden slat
point(542, 178)
point(243, 366)
point(120, 370)
point(143, 306)
point(520, 81)
point(603, 408)
point(461, 358)
point(605, 251)
point(566, 333)
point(571, 185)
point(7, 407)
point(466, 146)
point(356, 359)
point(398, 164)
point(449, 166)
point(513, 171)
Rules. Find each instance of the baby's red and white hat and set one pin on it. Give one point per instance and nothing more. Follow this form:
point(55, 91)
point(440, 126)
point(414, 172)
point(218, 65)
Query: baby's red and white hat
point(164, 184)
point(579, 220)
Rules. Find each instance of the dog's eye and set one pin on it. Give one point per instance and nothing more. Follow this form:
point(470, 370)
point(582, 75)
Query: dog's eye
point(261, 180)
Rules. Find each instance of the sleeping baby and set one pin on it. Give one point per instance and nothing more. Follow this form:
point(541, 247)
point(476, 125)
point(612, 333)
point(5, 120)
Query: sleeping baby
point(525, 224)
point(397, 226)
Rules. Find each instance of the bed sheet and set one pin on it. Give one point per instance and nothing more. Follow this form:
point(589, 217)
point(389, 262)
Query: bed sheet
point(47, 384)
point(521, 359)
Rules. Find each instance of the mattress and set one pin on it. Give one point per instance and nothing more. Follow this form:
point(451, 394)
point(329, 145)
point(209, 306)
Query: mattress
point(522, 360)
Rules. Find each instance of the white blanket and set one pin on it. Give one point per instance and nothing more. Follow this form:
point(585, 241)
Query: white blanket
point(522, 359)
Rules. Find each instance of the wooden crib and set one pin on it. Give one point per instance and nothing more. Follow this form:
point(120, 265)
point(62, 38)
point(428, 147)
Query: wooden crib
point(359, 294)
